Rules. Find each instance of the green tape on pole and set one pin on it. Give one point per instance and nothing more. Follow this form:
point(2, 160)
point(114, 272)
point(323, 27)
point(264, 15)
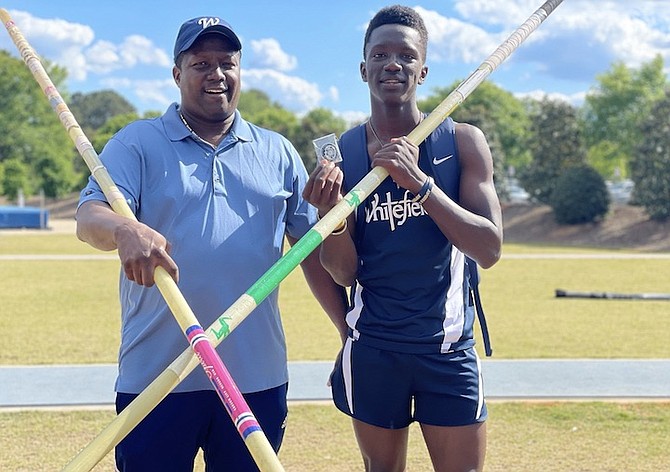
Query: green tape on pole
point(268, 282)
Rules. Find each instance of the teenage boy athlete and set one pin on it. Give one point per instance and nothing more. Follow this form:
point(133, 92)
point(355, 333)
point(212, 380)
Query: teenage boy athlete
point(409, 350)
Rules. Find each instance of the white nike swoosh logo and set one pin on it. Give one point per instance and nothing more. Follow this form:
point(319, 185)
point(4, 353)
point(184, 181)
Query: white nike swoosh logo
point(437, 161)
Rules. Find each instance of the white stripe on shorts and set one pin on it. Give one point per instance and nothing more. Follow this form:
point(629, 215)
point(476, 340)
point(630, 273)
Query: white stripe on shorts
point(346, 373)
point(480, 387)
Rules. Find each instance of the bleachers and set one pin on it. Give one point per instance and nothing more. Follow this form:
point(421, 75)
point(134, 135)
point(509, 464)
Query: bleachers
point(23, 217)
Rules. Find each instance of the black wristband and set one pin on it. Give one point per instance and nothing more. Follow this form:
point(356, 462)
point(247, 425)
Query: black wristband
point(425, 190)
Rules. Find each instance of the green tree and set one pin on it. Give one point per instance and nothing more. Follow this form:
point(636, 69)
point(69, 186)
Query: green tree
point(315, 124)
point(556, 144)
point(608, 159)
point(92, 110)
point(110, 128)
point(650, 167)
point(15, 177)
point(253, 102)
point(614, 110)
point(32, 137)
point(479, 116)
point(277, 119)
point(257, 107)
point(503, 117)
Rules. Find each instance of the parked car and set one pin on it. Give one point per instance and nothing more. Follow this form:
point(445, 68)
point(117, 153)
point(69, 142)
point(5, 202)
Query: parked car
point(515, 192)
point(621, 190)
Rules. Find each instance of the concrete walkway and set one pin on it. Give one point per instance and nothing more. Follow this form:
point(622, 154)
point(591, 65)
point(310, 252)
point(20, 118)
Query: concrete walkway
point(580, 379)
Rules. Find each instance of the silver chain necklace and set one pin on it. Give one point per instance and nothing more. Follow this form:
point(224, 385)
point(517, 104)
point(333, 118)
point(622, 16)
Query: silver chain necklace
point(183, 120)
point(374, 133)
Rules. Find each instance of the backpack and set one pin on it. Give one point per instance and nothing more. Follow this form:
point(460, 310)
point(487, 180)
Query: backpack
point(441, 142)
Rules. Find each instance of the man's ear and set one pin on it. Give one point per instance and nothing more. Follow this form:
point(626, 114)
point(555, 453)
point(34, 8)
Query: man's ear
point(364, 72)
point(176, 75)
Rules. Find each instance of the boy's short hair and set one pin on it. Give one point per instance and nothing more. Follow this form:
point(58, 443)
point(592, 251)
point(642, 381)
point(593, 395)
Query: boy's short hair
point(398, 15)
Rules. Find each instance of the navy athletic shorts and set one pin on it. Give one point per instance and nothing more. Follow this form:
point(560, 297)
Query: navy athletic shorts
point(392, 389)
point(171, 435)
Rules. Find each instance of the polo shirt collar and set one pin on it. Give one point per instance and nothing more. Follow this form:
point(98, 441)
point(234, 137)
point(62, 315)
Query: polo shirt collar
point(176, 130)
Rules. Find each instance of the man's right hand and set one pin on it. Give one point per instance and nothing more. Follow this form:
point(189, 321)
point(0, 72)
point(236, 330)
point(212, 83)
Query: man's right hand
point(141, 250)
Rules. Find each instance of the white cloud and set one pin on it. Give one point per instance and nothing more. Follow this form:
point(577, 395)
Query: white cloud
point(334, 94)
point(102, 57)
point(137, 49)
point(156, 94)
point(353, 117)
point(163, 92)
point(294, 93)
point(72, 46)
point(452, 40)
point(268, 53)
point(580, 39)
point(59, 41)
point(54, 31)
point(575, 99)
point(499, 12)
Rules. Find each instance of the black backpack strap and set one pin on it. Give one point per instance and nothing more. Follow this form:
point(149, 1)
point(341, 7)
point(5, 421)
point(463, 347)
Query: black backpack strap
point(474, 294)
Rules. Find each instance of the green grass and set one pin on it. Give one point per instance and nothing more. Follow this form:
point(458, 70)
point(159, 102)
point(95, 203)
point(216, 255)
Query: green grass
point(526, 320)
point(50, 243)
point(69, 309)
point(59, 312)
point(544, 437)
point(67, 312)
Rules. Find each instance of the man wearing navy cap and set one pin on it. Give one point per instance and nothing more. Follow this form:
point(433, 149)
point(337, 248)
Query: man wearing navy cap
point(214, 196)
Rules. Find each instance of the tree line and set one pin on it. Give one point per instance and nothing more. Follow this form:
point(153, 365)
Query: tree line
point(561, 154)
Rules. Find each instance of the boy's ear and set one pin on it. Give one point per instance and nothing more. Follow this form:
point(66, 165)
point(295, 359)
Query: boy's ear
point(364, 72)
point(424, 73)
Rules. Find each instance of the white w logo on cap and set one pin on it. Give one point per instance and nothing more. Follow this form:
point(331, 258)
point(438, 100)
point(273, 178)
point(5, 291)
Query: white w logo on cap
point(207, 22)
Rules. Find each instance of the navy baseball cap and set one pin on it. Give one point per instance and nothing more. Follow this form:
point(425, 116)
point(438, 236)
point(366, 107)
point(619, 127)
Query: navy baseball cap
point(196, 27)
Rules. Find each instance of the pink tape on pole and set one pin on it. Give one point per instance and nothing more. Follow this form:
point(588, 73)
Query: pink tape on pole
point(237, 407)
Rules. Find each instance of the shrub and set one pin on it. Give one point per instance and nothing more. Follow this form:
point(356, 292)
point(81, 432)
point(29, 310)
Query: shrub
point(579, 196)
point(650, 164)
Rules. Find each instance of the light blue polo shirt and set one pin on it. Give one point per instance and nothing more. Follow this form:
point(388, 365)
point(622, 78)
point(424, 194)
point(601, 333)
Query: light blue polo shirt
point(225, 212)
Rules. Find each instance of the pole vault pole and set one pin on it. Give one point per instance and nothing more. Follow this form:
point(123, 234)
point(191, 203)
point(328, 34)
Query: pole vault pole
point(243, 306)
point(216, 371)
point(560, 293)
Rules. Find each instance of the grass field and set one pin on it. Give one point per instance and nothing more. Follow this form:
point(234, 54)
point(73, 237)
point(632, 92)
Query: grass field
point(66, 311)
point(69, 308)
point(522, 437)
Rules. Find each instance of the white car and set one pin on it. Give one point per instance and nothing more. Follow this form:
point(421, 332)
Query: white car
point(621, 190)
point(516, 193)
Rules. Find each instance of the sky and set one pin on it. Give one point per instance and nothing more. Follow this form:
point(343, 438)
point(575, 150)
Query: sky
point(306, 54)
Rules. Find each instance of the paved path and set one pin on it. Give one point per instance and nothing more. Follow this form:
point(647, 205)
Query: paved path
point(92, 385)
